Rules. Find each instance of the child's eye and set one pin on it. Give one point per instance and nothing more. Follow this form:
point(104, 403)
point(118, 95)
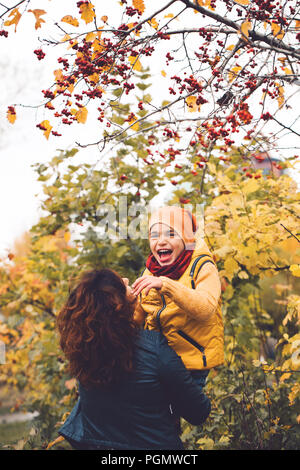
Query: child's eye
point(154, 235)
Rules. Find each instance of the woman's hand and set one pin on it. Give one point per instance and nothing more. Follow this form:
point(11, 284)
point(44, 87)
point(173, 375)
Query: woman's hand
point(130, 295)
point(147, 283)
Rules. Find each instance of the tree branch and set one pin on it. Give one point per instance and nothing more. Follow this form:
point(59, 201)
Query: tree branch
point(11, 8)
point(252, 34)
point(290, 233)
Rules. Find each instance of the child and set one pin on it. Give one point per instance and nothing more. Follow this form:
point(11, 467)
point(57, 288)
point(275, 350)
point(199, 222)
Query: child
point(180, 291)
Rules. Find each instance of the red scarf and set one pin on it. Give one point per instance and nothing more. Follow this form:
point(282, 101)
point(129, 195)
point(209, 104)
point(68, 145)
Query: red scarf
point(174, 270)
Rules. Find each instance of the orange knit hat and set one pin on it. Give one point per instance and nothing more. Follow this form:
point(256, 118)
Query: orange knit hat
point(181, 220)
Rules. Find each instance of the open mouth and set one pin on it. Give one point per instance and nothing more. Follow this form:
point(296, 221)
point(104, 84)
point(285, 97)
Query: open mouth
point(164, 255)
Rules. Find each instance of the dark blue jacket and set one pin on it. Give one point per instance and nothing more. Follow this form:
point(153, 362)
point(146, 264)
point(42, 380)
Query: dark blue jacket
point(135, 414)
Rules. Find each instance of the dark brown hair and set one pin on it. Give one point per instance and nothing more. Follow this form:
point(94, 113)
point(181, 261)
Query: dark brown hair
point(97, 330)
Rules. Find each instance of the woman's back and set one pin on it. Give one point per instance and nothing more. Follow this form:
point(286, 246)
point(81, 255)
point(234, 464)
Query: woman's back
point(135, 412)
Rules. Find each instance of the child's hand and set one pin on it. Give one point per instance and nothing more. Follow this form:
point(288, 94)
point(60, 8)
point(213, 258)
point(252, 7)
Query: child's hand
point(147, 283)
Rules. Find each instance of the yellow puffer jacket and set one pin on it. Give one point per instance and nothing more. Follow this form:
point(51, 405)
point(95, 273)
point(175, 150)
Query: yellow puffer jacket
point(188, 312)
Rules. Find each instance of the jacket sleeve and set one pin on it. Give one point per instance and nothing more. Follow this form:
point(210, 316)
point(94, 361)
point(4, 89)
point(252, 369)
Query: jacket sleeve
point(139, 314)
point(185, 396)
point(201, 302)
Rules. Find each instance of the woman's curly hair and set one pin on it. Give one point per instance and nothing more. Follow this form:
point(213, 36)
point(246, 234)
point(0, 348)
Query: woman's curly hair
point(97, 331)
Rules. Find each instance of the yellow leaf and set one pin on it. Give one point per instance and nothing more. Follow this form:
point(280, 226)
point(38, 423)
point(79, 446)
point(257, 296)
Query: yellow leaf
point(295, 270)
point(135, 126)
point(280, 98)
point(287, 70)
point(67, 236)
point(38, 20)
point(97, 45)
point(230, 48)
point(205, 443)
point(245, 26)
point(256, 363)
point(132, 25)
point(233, 73)
point(139, 5)
point(104, 18)
point(163, 73)
point(15, 18)
point(58, 73)
point(136, 63)
point(11, 114)
point(70, 20)
point(87, 12)
point(242, 2)
point(277, 30)
point(297, 24)
point(170, 15)
point(284, 377)
point(208, 4)
point(49, 105)
point(81, 115)
point(243, 275)
point(94, 78)
point(191, 101)
point(56, 441)
point(153, 23)
point(46, 127)
point(66, 38)
point(70, 88)
point(231, 267)
point(250, 186)
point(90, 37)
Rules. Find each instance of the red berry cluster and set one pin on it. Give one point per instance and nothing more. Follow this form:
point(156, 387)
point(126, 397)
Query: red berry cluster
point(266, 116)
point(132, 11)
point(4, 33)
point(39, 53)
point(40, 126)
point(173, 152)
point(243, 113)
point(48, 94)
point(11, 110)
point(170, 134)
point(162, 35)
point(65, 62)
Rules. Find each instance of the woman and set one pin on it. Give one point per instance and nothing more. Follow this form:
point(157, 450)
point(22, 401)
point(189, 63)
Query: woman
point(128, 377)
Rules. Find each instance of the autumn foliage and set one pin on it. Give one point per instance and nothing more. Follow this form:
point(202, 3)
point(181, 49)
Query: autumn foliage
point(187, 99)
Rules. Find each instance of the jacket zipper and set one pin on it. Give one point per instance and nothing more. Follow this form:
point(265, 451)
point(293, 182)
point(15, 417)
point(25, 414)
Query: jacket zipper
point(194, 343)
point(160, 310)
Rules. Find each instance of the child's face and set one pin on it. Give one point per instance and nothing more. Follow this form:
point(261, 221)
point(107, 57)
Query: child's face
point(165, 244)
